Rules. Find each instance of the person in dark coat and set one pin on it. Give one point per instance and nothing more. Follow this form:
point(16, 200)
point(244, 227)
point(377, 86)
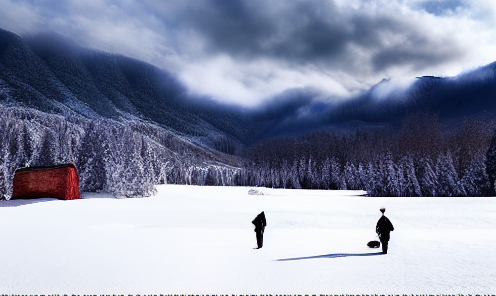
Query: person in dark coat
point(260, 224)
point(383, 227)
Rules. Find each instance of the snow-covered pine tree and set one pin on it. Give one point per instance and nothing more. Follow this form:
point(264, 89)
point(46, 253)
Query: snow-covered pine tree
point(29, 147)
point(349, 175)
point(426, 177)
point(295, 182)
point(475, 181)
point(362, 177)
point(326, 173)
point(401, 179)
point(302, 172)
point(134, 167)
point(335, 170)
point(69, 141)
point(91, 162)
point(311, 173)
point(276, 177)
point(369, 178)
point(447, 178)
point(210, 177)
point(150, 161)
point(411, 185)
point(17, 148)
point(5, 174)
point(271, 177)
point(48, 150)
point(317, 178)
point(284, 173)
point(115, 146)
point(491, 164)
point(377, 179)
point(391, 185)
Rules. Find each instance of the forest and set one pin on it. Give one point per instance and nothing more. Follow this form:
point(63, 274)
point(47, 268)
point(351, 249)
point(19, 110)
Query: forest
point(129, 126)
point(421, 158)
point(124, 159)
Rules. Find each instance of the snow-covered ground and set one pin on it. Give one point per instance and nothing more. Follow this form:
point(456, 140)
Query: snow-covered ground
point(200, 240)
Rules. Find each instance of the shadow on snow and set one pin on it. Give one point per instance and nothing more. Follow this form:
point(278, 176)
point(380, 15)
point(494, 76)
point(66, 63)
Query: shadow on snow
point(22, 202)
point(338, 255)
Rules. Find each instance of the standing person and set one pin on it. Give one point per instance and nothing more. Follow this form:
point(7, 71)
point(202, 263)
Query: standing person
point(383, 227)
point(260, 224)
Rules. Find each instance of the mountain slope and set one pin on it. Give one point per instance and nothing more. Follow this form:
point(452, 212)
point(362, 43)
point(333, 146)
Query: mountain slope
point(129, 125)
point(51, 74)
point(468, 95)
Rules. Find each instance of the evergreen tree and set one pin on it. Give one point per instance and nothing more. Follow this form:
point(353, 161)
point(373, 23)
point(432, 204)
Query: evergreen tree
point(491, 163)
point(377, 179)
point(5, 174)
point(116, 145)
point(326, 173)
point(91, 163)
point(369, 179)
point(349, 174)
point(295, 182)
point(303, 173)
point(475, 181)
point(391, 185)
point(447, 178)
point(26, 139)
point(427, 177)
point(310, 174)
point(47, 153)
point(411, 186)
point(401, 189)
point(361, 177)
point(210, 177)
point(335, 172)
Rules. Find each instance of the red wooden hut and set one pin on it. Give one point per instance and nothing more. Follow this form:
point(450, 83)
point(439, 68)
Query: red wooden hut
point(61, 181)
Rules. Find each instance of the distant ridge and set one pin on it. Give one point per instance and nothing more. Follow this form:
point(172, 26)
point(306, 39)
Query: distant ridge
point(51, 74)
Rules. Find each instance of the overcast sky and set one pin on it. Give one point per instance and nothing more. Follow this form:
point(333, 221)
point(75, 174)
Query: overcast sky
point(248, 51)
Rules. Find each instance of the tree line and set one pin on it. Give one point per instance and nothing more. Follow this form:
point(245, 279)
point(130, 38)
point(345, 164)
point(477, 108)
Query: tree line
point(422, 158)
point(122, 158)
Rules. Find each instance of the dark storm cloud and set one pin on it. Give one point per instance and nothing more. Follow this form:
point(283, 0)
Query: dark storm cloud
point(249, 50)
point(417, 51)
point(230, 26)
point(295, 31)
point(403, 56)
point(313, 32)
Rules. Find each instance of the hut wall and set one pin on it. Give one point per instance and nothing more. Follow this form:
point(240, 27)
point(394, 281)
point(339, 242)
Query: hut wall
point(55, 182)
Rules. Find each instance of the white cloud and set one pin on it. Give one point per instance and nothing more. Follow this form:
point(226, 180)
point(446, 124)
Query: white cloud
point(395, 87)
point(248, 53)
point(249, 83)
point(18, 17)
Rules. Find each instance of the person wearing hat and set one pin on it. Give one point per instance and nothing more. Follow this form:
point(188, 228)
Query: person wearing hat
point(260, 222)
point(383, 227)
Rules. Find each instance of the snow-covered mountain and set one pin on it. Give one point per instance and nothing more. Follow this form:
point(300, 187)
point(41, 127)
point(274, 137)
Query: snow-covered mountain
point(51, 74)
point(387, 104)
point(60, 102)
point(113, 116)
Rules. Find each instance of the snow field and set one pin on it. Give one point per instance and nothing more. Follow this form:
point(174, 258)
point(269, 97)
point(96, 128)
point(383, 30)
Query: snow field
point(200, 240)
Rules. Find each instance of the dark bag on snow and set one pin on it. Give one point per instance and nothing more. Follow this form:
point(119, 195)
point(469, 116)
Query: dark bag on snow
point(374, 244)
